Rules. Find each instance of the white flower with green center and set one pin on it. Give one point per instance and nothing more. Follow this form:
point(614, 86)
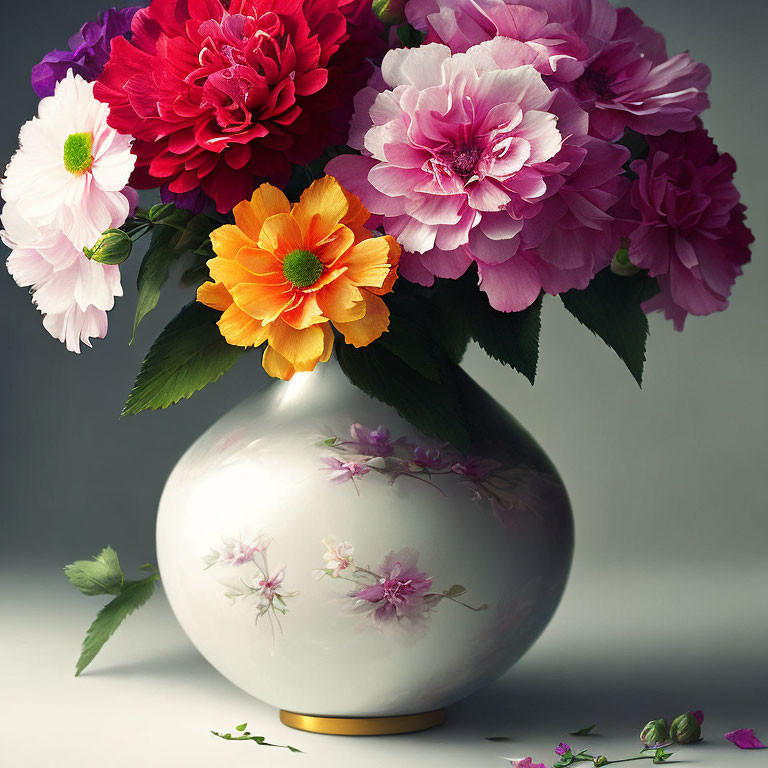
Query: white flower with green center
point(71, 169)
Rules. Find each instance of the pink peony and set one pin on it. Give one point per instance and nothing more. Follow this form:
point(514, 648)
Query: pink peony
point(471, 158)
point(619, 68)
point(686, 225)
point(400, 591)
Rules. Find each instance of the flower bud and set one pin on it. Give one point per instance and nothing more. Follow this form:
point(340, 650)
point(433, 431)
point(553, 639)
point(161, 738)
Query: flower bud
point(621, 265)
point(160, 211)
point(685, 729)
point(390, 11)
point(655, 733)
point(113, 247)
point(600, 760)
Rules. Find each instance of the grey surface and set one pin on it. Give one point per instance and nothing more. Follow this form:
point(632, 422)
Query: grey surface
point(668, 484)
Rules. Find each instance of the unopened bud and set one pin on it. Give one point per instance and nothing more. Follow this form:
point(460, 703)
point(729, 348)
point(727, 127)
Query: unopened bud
point(390, 11)
point(655, 733)
point(113, 247)
point(621, 265)
point(600, 760)
point(685, 729)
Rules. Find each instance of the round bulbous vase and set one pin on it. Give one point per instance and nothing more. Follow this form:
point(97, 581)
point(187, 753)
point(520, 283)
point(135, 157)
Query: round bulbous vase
point(334, 562)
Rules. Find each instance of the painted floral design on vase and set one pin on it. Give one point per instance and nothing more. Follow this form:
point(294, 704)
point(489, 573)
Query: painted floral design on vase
point(247, 576)
point(395, 593)
point(441, 565)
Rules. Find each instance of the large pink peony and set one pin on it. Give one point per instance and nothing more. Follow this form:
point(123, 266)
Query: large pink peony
point(687, 225)
point(619, 68)
point(471, 158)
point(222, 93)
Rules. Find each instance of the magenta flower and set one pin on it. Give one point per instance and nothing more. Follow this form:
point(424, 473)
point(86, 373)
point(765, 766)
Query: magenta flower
point(371, 442)
point(431, 459)
point(744, 738)
point(400, 591)
point(562, 748)
point(471, 158)
point(343, 471)
point(526, 762)
point(686, 225)
point(698, 715)
point(619, 68)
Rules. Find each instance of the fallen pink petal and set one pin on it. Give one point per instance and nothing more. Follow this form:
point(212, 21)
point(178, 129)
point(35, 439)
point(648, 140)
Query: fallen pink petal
point(744, 738)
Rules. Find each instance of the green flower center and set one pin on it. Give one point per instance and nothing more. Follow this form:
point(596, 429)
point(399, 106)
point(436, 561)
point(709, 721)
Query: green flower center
point(302, 268)
point(77, 152)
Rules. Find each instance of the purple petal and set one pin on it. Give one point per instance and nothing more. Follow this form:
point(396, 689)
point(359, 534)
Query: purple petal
point(744, 738)
point(698, 715)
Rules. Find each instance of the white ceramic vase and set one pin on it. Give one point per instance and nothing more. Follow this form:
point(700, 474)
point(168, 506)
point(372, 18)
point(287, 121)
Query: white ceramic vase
point(332, 561)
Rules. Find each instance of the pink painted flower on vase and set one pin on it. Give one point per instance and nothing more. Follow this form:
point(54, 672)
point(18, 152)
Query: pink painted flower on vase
point(686, 225)
point(470, 158)
point(371, 442)
point(338, 557)
point(238, 550)
point(618, 67)
point(344, 471)
point(400, 590)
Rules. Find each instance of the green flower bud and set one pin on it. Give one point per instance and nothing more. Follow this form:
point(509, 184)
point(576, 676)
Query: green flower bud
point(113, 247)
point(390, 11)
point(601, 760)
point(655, 733)
point(685, 729)
point(160, 211)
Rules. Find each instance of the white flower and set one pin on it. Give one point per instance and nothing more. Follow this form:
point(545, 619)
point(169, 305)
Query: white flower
point(338, 557)
point(71, 168)
point(238, 550)
point(73, 293)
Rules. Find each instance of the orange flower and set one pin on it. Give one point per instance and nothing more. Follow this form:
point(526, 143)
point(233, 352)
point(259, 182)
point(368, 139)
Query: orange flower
point(283, 274)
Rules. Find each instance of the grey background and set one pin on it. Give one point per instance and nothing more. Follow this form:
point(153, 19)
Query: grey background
point(675, 472)
point(666, 608)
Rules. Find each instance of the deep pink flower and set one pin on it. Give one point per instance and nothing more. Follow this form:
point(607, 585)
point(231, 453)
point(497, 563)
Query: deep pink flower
point(475, 467)
point(526, 762)
point(562, 748)
point(428, 458)
point(744, 738)
point(343, 471)
point(400, 591)
point(471, 158)
point(620, 69)
point(698, 715)
point(223, 93)
point(686, 225)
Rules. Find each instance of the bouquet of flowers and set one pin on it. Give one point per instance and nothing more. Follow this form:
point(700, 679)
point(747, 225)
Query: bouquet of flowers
point(389, 180)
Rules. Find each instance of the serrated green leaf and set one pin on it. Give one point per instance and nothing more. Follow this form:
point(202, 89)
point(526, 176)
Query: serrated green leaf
point(111, 616)
point(409, 342)
point(433, 408)
point(610, 307)
point(100, 576)
point(189, 354)
point(511, 338)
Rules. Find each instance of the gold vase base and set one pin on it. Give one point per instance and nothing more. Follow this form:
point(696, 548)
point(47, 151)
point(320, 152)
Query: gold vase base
point(363, 726)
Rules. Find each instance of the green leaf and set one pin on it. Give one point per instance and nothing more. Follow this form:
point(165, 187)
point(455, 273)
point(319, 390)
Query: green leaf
point(610, 307)
point(241, 727)
point(175, 234)
point(433, 408)
point(409, 36)
point(509, 337)
point(409, 342)
point(583, 731)
point(260, 740)
point(111, 616)
point(100, 576)
point(455, 591)
point(189, 354)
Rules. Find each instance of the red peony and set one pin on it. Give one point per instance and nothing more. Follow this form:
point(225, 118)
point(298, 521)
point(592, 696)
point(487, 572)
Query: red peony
point(222, 94)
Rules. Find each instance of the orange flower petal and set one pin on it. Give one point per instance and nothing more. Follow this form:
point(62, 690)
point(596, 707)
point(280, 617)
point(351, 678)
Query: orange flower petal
point(229, 272)
point(305, 314)
point(276, 365)
point(328, 343)
point(357, 216)
point(330, 249)
point(263, 302)
point(280, 235)
point(214, 295)
point(302, 349)
point(250, 215)
point(326, 278)
point(325, 199)
point(362, 332)
point(261, 264)
point(368, 262)
point(394, 260)
point(240, 329)
point(341, 301)
point(228, 240)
